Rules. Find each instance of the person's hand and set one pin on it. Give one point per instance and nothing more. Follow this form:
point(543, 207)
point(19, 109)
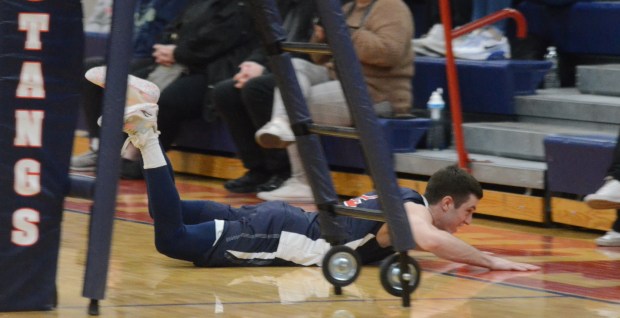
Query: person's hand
point(247, 71)
point(164, 54)
point(500, 264)
point(319, 33)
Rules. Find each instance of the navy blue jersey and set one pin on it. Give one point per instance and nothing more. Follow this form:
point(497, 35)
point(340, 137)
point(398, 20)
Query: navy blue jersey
point(276, 233)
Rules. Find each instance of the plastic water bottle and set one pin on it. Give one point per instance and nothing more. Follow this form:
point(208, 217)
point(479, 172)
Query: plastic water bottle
point(436, 134)
point(552, 79)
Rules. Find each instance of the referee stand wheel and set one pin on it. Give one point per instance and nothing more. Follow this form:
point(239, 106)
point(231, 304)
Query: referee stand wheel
point(390, 275)
point(341, 265)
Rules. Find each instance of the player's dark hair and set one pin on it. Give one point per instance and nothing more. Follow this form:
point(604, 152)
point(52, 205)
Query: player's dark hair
point(452, 181)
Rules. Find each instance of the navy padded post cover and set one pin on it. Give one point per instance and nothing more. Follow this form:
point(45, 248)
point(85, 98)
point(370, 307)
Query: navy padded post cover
point(577, 164)
point(41, 53)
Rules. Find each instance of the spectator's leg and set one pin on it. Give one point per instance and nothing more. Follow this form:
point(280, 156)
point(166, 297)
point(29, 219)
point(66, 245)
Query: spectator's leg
point(228, 102)
point(183, 99)
point(257, 98)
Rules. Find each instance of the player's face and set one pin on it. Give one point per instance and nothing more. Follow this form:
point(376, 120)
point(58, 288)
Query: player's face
point(462, 215)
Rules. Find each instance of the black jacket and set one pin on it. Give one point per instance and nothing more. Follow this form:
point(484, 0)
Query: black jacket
point(297, 16)
point(213, 37)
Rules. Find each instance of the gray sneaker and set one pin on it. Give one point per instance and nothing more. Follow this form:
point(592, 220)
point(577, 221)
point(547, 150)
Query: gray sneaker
point(84, 162)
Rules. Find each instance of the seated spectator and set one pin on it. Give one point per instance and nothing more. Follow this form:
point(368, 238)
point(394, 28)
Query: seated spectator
point(211, 234)
point(100, 20)
point(209, 39)
point(245, 101)
point(381, 32)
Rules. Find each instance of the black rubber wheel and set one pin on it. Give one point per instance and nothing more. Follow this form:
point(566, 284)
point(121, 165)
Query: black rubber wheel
point(390, 275)
point(341, 265)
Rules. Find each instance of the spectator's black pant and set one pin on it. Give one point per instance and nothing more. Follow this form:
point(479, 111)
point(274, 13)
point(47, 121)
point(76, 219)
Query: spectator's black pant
point(181, 101)
point(245, 111)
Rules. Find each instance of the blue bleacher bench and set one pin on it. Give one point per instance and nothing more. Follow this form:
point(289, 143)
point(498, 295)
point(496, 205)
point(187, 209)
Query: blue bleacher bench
point(577, 164)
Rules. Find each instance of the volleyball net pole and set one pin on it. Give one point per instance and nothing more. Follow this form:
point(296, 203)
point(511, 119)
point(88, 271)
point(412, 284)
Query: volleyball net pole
point(118, 56)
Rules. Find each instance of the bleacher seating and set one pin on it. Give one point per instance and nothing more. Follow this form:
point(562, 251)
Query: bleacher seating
point(485, 86)
point(586, 27)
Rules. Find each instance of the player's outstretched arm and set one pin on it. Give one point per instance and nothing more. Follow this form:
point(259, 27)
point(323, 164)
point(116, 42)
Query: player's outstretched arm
point(447, 246)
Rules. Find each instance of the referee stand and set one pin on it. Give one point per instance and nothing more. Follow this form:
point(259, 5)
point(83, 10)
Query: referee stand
point(341, 265)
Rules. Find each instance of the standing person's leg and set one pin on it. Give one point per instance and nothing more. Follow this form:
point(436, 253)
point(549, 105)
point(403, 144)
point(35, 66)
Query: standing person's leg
point(614, 168)
point(612, 237)
point(608, 196)
point(182, 100)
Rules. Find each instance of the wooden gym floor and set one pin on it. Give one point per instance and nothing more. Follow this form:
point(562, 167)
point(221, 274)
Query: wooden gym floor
point(578, 278)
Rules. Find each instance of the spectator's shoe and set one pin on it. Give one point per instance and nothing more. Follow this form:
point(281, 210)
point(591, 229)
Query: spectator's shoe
point(85, 162)
point(431, 44)
point(607, 197)
point(140, 124)
point(482, 44)
point(248, 183)
point(276, 133)
point(138, 90)
point(612, 238)
point(292, 190)
point(273, 183)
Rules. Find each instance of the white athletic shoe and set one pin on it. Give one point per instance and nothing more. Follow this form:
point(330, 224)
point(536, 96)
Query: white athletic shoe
point(85, 162)
point(483, 44)
point(432, 43)
point(140, 124)
point(607, 197)
point(292, 190)
point(138, 90)
point(612, 238)
point(276, 133)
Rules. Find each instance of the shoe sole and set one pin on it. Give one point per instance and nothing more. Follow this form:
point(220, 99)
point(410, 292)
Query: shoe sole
point(267, 140)
point(83, 169)
point(147, 91)
point(603, 204)
point(608, 244)
point(266, 197)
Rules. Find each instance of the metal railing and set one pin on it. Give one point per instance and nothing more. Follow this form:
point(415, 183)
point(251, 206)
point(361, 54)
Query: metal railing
point(451, 72)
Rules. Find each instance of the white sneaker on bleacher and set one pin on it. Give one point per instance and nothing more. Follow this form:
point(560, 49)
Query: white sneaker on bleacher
point(432, 43)
point(482, 44)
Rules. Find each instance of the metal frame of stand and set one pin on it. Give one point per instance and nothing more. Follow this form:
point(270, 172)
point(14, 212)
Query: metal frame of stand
point(400, 273)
